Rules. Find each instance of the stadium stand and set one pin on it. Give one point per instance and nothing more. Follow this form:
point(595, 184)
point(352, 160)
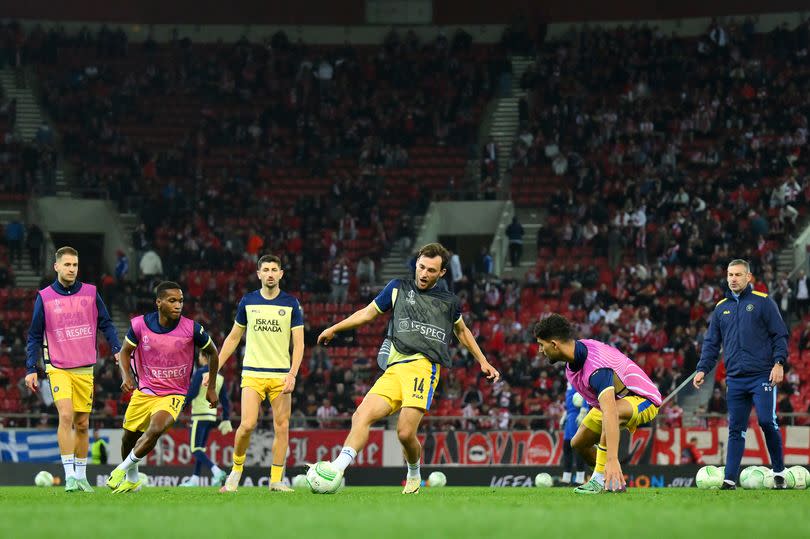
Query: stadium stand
point(652, 179)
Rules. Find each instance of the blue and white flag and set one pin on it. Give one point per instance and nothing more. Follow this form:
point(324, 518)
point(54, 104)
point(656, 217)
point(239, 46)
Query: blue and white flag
point(28, 446)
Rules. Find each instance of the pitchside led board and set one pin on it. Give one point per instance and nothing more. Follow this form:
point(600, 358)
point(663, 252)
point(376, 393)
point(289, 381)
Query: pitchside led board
point(484, 448)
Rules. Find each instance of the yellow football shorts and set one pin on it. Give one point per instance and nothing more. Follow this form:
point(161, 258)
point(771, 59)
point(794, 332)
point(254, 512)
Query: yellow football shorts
point(267, 388)
point(68, 385)
point(409, 384)
point(142, 407)
point(644, 411)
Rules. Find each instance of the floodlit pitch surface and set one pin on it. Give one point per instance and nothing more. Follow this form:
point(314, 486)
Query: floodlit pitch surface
point(368, 512)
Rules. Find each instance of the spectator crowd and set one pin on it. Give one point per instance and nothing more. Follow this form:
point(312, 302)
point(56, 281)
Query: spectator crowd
point(658, 159)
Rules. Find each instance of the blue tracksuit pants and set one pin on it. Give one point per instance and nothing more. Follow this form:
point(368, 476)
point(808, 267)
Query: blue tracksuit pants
point(742, 393)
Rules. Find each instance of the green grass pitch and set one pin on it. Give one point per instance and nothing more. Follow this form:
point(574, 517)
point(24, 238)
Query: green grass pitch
point(360, 513)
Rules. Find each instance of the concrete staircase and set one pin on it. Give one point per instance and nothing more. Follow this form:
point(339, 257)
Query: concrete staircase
point(119, 315)
point(395, 264)
point(27, 273)
point(120, 318)
point(61, 184)
point(128, 223)
point(505, 119)
point(16, 85)
point(530, 219)
point(29, 115)
point(785, 260)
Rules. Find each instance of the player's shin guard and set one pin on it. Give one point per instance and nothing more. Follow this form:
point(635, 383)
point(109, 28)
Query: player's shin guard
point(80, 467)
point(414, 470)
point(276, 473)
point(239, 463)
point(68, 462)
point(601, 459)
point(346, 457)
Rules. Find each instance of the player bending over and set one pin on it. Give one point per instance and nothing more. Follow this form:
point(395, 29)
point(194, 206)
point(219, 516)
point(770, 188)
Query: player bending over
point(620, 394)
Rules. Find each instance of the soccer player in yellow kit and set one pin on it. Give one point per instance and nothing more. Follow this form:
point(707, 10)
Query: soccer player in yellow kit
point(424, 317)
point(68, 315)
point(271, 318)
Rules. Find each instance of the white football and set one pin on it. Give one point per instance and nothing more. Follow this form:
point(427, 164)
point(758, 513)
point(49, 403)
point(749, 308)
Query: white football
point(768, 482)
point(437, 479)
point(299, 481)
point(801, 477)
point(709, 477)
point(43, 479)
point(323, 478)
point(543, 480)
point(753, 477)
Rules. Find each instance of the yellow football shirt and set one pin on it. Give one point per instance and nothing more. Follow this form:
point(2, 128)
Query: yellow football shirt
point(268, 326)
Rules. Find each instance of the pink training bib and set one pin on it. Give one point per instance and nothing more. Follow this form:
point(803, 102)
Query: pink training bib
point(603, 356)
point(164, 361)
point(70, 327)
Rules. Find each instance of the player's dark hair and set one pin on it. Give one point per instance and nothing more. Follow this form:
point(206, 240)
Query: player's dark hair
point(435, 249)
point(740, 262)
point(555, 327)
point(266, 259)
point(166, 285)
point(66, 250)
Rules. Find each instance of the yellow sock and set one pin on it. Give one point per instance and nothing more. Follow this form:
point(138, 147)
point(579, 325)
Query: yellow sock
point(239, 463)
point(601, 459)
point(276, 473)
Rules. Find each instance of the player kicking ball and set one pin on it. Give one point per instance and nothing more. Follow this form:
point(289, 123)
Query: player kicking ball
point(620, 394)
point(163, 344)
point(424, 317)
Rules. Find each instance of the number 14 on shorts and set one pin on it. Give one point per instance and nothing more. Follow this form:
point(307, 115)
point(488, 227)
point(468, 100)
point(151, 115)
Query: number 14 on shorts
point(418, 387)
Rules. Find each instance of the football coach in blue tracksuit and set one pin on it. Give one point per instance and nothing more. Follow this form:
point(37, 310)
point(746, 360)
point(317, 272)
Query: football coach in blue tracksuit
point(748, 326)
